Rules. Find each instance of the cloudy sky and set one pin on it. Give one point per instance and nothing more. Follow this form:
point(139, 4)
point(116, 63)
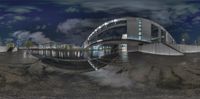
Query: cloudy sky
point(71, 21)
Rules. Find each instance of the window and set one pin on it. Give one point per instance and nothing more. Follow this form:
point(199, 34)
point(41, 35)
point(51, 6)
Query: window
point(154, 33)
point(163, 36)
point(139, 28)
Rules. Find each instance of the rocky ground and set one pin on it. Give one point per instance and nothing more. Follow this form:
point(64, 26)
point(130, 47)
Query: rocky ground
point(142, 76)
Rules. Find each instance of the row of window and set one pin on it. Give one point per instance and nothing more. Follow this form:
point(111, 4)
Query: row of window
point(139, 21)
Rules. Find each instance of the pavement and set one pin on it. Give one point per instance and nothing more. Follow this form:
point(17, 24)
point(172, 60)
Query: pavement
point(141, 76)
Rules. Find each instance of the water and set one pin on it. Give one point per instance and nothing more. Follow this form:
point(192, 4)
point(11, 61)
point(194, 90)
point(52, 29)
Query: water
point(71, 54)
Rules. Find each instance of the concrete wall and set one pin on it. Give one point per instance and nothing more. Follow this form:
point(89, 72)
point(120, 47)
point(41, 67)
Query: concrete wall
point(157, 48)
point(146, 29)
point(3, 48)
point(189, 48)
point(15, 49)
point(132, 28)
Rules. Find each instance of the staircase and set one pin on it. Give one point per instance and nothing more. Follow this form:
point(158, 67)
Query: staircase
point(174, 47)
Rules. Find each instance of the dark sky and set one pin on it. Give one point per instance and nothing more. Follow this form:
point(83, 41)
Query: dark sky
point(71, 21)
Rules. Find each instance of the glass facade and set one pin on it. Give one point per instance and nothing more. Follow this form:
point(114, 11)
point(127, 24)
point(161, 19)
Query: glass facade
point(163, 36)
point(154, 33)
point(114, 33)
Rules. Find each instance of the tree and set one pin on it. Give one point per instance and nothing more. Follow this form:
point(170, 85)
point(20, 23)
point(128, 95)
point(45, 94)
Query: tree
point(9, 43)
point(28, 44)
point(185, 38)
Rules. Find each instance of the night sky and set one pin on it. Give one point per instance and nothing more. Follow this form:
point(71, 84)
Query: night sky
point(71, 21)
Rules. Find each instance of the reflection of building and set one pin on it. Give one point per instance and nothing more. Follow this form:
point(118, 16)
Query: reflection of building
point(54, 45)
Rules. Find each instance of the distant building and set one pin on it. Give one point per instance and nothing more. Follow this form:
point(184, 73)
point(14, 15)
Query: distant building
point(54, 45)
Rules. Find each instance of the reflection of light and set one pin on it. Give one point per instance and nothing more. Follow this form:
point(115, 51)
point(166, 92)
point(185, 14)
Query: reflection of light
point(124, 36)
point(101, 54)
point(53, 53)
point(124, 56)
point(99, 40)
point(115, 20)
point(140, 37)
point(68, 53)
point(105, 23)
point(124, 47)
point(95, 47)
point(78, 54)
point(99, 27)
point(95, 68)
point(75, 53)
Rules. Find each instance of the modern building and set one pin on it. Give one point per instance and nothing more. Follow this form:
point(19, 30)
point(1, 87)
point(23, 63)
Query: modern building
point(135, 34)
point(130, 28)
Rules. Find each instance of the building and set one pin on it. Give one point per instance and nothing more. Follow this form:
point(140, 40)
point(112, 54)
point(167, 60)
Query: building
point(131, 28)
point(136, 34)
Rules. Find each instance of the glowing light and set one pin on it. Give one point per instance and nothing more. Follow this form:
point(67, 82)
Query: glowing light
point(124, 36)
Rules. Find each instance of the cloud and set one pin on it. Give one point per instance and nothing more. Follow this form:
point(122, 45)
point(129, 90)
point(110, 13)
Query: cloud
point(72, 10)
point(77, 30)
point(22, 9)
point(3, 6)
point(165, 12)
point(37, 19)
point(19, 18)
point(41, 27)
point(196, 20)
point(1, 17)
point(11, 18)
point(37, 37)
point(22, 35)
point(67, 26)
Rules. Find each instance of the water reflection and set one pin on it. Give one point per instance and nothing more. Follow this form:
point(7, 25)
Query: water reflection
point(70, 54)
point(96, 57)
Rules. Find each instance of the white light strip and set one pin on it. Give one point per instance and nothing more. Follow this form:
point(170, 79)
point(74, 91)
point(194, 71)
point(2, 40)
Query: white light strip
point(105, 24)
